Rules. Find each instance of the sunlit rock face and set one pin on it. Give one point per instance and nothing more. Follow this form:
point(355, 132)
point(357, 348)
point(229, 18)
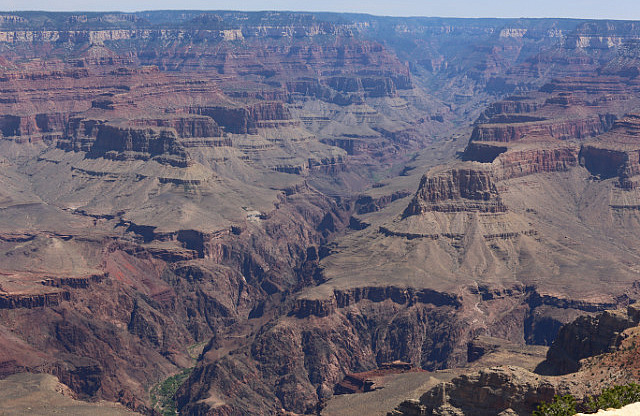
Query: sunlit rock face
point(280, 199)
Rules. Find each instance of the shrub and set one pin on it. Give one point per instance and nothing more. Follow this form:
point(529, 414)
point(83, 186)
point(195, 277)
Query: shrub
point(560, 406)
point(612, 397)
point(616, 397)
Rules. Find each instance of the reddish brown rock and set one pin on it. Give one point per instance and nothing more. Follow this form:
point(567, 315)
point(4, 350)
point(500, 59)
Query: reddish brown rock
point(517, 129)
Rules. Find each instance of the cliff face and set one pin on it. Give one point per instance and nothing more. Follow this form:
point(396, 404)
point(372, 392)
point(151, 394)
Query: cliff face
point(588, 336)
point(456, 190)
point(530, 161)
point(488, 213)
point(185, 126)
point(563, 130)
point(120, 143)
point(615, 154)
point(247, 120)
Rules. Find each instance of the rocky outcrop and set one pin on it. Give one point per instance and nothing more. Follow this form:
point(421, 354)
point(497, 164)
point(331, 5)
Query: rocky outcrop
point(615, 154)
point(14, 301)
point(483, 152)
point(456, 190)
point(606, 342)
point(524, 160)
point(32, 125)
point(83, 373)
point(246, 120)
point(586, 337)
point(100, 139)
point(370, 86)
point(515, 104)
point(228, 90)
point(368, 381)
point(74, 282)
point(331, 165)
point(494, 391)
point(319, 355)
point(80, 134)
point(126, 143)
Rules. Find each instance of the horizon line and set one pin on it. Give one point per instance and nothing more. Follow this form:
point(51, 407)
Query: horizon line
point(325, 12)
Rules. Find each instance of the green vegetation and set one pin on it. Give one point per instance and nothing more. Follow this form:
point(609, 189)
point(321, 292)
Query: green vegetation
point(615, 397)
point(195, 350)
point(612, 397)
point(560, 406)
point(162, 394)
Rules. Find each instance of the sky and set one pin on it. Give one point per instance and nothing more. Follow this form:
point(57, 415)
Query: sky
point(592, 9)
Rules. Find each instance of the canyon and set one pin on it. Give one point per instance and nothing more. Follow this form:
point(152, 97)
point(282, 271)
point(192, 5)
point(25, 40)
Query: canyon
point(278, 200)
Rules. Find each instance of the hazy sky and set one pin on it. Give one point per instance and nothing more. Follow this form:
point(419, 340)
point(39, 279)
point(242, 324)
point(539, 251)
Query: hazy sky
point(596, 9)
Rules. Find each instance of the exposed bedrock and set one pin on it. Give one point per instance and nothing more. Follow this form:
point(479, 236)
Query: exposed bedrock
point(122, 143)
point(14, 301)
point(80, 134)
point(510, 390)
point(370, 86)
point(300, 358)
point(246, 120)
point(215, 74)
point(483, 152)
point(125, 142)
point(343, 298)
point(616, 153)
point(312, 87)
point(190, 126)
point(510, 105)
point(142, 316)
point(510, 130)
point(501, 391)
point(587, 336)
point(99, 138)
point(330, 165)
point(33, 125)
point(603, 162)
point(522, 161)
point(300, 361)
point(366, 203)
point(456, 190)
point(516, 163)
point(83, 373)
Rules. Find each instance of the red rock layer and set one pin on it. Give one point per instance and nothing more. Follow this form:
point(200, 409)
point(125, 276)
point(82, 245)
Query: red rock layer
point(514, 129)
point(518, 163)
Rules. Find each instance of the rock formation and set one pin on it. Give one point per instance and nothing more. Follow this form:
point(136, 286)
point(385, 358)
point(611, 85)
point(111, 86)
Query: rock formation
point(273, 198)
point(513, 390)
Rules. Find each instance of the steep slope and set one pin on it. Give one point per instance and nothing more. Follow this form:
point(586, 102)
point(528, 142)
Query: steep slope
point(185, 180)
